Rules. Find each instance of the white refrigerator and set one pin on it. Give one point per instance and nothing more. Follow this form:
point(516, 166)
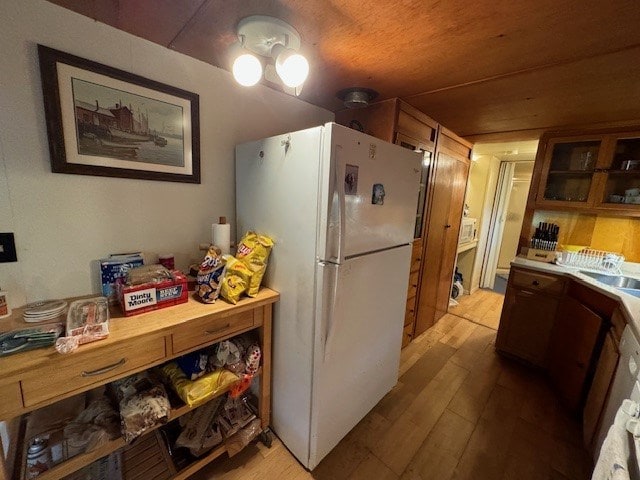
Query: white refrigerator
point(341, 208)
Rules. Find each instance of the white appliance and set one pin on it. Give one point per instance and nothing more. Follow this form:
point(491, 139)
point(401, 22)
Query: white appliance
point(625, 382)
point(340, 206)
point(468, 230)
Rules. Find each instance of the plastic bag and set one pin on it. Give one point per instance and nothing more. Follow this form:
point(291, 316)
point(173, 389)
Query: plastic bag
point(143, 403)
point(209, 276)
point(87, 321)
point(197, 391)
point(254, 250)
point(242, 438)
point(236, 281)
point(193, 364)
point(197, 433)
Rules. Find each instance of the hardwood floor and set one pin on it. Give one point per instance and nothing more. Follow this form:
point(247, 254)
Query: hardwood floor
point(483, 307)
point(459, 411)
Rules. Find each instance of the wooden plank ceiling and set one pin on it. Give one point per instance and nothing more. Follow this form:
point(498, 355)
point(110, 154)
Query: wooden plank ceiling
point(479, 68)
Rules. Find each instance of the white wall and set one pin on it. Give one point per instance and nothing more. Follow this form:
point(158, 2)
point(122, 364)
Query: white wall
point(63, 222)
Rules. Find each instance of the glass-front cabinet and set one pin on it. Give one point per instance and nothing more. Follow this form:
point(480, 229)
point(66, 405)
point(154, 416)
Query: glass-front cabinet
point(622, 184)
point(597, 172)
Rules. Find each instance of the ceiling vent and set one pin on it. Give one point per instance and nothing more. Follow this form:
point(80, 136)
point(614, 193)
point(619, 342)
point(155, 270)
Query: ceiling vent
point(356, 97)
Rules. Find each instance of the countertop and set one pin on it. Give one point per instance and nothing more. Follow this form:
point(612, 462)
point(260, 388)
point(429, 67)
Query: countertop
point(629, 303)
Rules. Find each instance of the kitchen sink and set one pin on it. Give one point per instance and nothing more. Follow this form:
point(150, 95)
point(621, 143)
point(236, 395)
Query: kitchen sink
point(626, 284)
point(631, 291)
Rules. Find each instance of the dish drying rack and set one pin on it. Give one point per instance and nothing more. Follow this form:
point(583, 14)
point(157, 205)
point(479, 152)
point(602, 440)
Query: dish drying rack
point(598, 260)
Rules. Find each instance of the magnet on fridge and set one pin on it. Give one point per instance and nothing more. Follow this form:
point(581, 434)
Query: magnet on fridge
point(377, 197)
point(351, 180)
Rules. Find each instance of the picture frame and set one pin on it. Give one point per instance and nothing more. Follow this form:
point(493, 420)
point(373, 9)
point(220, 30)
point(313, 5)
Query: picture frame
point(107, 122)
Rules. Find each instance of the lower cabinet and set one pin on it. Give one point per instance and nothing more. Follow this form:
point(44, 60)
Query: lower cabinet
point(573, 342)
point(528, 314)
point(526, 324)
point(570, 330)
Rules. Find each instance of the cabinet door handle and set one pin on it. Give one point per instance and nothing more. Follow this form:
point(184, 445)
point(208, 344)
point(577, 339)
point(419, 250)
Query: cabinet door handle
point(447, 226)
point(106, 369)
point(525, 292)
point(217, 330)
point(535, 283)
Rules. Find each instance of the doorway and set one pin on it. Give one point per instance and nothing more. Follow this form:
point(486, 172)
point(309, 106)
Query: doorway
point(505, 224)
point(496, 197)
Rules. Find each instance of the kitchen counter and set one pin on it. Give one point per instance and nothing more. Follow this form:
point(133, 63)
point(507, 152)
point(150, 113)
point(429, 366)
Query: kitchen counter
point(629, 303)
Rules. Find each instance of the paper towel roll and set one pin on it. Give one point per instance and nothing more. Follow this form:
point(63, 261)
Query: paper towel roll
point(221, 236)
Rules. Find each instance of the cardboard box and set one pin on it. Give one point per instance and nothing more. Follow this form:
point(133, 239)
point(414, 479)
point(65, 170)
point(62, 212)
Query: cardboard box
point(135, 299)
point(114, 268)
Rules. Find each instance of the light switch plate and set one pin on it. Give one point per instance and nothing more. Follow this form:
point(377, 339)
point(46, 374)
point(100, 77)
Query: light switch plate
point(7, 248)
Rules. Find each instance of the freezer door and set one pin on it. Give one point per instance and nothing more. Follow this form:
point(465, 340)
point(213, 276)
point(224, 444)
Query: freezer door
point(357, 342)
point(371, 189)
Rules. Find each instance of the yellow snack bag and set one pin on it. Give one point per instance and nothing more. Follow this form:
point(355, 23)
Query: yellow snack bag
point(193, 392)
point(236, 279)
point(254, 250)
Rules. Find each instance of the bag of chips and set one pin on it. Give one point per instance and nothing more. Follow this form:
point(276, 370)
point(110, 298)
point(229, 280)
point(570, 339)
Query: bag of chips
point(210, 275)
point(236, 279)
point(254, 250)
point(197, 391)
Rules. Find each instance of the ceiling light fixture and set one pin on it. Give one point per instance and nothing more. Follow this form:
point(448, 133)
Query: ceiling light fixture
point(272, 38)
point(356, 97)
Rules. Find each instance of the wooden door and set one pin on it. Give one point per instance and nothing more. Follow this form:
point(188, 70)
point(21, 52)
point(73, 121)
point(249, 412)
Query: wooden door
point(435, 239)
point(526, 325)
point(573, 340)
point(459, 169)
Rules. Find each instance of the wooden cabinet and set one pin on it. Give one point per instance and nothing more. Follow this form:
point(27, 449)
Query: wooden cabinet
point(441, 243)
point(573, 341)
point(528, 316)
point(594, 171)
point(444, 177)
point(203, 329)
point(41, 377)
point(412, 293)
point(67, 374)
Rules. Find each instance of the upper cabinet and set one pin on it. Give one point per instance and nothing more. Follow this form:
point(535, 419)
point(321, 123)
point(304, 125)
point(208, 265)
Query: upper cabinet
point(592, 172)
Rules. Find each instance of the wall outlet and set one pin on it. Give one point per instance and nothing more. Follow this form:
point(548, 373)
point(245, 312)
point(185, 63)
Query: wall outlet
point(7, 248)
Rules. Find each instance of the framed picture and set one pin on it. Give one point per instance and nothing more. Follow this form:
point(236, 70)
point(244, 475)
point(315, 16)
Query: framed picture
point(104, 121)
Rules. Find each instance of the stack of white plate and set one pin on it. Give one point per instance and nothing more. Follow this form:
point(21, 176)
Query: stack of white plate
point(44, 310)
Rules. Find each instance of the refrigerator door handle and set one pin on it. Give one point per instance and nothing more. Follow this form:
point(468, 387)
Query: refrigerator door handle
point(333, 299)
point(340, 171)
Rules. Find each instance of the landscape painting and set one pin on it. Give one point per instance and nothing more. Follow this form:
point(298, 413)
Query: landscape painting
point(104, 121)
point(119, 124)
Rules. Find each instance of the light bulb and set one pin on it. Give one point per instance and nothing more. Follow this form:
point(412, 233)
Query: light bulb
point(292, 68)
point(247, 70)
